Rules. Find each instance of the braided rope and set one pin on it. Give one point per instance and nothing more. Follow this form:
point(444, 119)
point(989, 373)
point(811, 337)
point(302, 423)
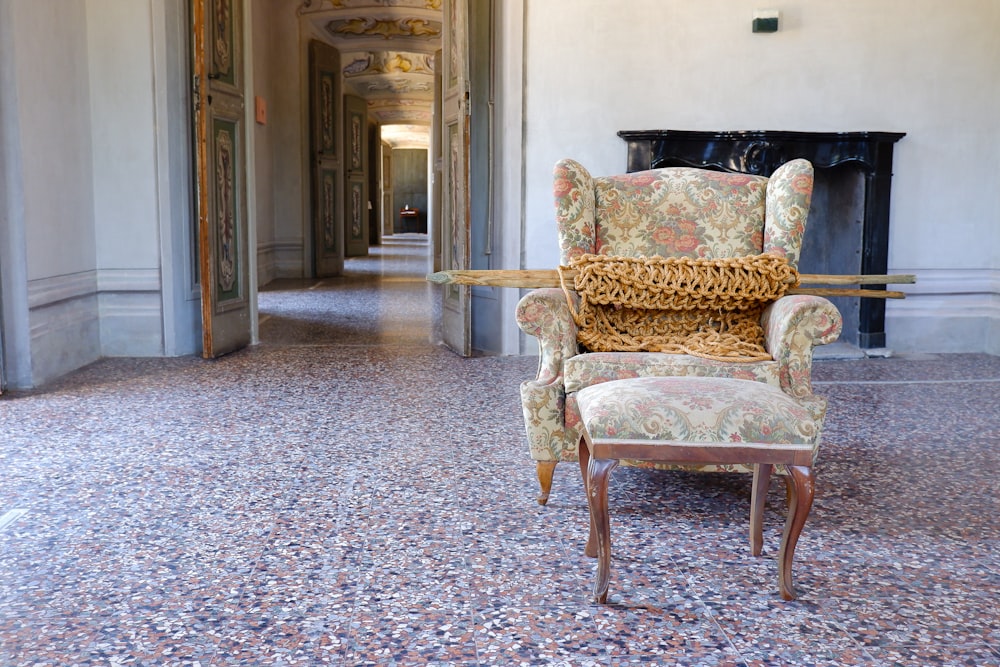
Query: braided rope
point(708, 308)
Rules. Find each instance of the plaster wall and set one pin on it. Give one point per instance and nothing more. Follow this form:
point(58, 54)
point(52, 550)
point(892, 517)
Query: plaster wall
point(52, 82)
point(122, 121)
point(15, 338)
point(50, 86)
point(173, 132)
point(508, 177)
point(281, 80)
point(915, 66)
point(126, 212)
point(260, 87)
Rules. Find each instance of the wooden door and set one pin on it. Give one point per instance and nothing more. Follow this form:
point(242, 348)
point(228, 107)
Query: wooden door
point(220, 166)
point(356, 160)
point(325, 105)
point(388, 212)
point(456, 312)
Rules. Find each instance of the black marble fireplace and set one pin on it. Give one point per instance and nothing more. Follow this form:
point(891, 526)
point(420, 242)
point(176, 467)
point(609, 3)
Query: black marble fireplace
point(848, 230)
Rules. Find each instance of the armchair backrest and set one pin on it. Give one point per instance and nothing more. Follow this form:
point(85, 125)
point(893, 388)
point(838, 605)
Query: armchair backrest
point(682, 212)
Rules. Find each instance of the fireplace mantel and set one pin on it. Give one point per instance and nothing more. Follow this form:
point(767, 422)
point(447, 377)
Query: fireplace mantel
point(760, 152)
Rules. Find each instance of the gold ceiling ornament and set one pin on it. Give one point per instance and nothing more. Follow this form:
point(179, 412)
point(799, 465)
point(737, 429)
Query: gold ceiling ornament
point(387, 102)
point(403, 116)
point(388, 62)
point(415, 4)
point(368, 26)
point(399, 86)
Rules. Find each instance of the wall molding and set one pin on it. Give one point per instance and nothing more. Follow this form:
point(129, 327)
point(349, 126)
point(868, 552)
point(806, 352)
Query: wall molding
point(128, 280)
point(955, 292)
point(946, 310)
point(77, 318)
point(48, 291)
point(65, 333)
point(280, 259)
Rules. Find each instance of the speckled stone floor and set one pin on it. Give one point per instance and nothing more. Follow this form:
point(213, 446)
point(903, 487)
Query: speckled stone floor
point(347, 493)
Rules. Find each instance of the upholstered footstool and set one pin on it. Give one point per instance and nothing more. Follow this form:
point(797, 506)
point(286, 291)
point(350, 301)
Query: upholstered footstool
point(697, 420)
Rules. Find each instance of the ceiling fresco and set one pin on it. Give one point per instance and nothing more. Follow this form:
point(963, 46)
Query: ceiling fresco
point(387, 49)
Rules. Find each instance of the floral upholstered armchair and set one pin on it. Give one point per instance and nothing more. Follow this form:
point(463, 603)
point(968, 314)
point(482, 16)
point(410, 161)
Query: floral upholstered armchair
point(671, 212)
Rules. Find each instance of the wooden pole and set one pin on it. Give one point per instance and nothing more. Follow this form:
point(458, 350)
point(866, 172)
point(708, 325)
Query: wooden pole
point(534, 278)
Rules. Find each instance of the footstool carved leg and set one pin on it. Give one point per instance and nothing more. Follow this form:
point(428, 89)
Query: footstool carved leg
point(598, 472)
point(758, 497)
point(584, 453)
point(801, 486)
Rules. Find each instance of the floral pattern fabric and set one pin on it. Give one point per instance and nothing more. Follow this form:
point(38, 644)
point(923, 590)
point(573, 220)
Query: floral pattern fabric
point(789, 194)
point(585, 370)
point(694, 410)
point(672, 212)
point(793, 325)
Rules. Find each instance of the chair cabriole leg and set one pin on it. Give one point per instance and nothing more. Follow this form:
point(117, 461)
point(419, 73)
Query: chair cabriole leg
point(584, 451)
point(598, 473)
point(801, 487)
point(758, 497)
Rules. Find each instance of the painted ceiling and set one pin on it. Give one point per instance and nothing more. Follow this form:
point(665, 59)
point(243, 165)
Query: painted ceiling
point(387, 50)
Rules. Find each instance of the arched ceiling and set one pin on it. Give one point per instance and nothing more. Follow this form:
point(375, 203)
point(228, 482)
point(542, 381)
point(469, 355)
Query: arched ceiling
point(387, 52)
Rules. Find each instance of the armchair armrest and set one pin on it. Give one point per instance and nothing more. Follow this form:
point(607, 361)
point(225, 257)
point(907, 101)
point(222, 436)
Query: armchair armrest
point(793, 326)
point(544, 314)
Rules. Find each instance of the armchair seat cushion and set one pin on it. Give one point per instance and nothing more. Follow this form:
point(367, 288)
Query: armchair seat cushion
point(592, 368)
point(694, 409)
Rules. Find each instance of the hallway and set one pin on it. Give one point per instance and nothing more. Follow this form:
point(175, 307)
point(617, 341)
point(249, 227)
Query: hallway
point(347, 493)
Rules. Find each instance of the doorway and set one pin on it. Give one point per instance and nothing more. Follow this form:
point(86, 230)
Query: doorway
point(387, 53)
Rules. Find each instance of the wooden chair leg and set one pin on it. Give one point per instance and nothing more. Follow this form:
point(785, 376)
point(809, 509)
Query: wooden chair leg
point(598, 472)
point(584, 452)
point(758, 497)
point(801, 485)
point(545, 470)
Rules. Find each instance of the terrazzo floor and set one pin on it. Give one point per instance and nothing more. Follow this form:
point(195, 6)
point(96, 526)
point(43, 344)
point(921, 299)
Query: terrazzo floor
point(347, 493)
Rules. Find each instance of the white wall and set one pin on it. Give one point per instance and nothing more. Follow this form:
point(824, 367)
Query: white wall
point(126, 214)
point(280, 182)
point(50, 85)
point(916, 66)
point(172, 95)
point(509, 145)
point(52, 94)
point(263, 12)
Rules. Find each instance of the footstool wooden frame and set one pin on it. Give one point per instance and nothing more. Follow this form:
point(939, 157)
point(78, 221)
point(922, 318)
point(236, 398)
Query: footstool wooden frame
point(600, 453)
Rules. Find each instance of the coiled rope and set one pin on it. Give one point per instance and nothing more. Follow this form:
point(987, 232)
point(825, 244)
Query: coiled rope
point(707, 308)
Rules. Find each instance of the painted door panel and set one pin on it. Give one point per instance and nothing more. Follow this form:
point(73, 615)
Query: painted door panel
point(220, 154)
point(356, 160)
point(325, 105)
point(456, 318)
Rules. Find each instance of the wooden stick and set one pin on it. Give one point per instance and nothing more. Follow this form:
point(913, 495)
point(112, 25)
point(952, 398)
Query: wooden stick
point(844, 291)
point(870, 279)
point(534, 278)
